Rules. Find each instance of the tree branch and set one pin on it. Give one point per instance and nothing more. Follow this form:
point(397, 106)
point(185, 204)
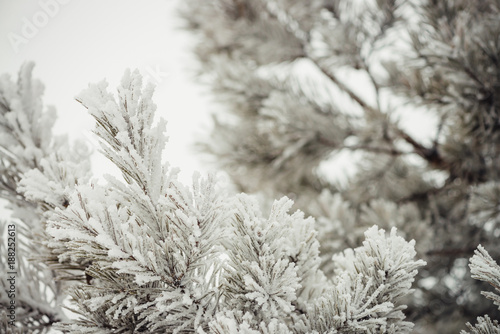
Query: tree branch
point(342, 86)
point(431, 155)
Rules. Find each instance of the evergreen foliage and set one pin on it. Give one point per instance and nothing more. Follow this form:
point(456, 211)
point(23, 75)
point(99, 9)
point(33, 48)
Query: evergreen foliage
point(303, 85)
point(144, 253)
point(28, 150)
point(147, 254)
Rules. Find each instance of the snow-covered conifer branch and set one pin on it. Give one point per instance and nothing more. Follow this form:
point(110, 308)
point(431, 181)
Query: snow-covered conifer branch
point(370, 282)
point(484, 325)
point(272, 268)
point(35, 305)
point(26, 127)
point(152, 235)
point(126, 132)
point(484, 268)
point(28, 146)
point(38, 171)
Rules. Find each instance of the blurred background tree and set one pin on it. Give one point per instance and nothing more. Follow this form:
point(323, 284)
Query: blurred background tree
point(403, 94)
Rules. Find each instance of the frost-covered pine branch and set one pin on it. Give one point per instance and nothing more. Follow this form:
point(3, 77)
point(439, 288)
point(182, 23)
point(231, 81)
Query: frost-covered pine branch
point(484, 268)
point(272, 271)
point(29, 284)
point(364, 296)
point(150, 241)
point(369, 284)
point(37, 172)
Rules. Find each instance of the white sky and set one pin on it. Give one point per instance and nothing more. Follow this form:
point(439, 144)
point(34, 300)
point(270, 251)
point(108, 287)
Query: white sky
point(77, 42)
point(83, 41)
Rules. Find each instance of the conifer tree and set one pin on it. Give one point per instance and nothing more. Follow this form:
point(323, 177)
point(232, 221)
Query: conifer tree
point(144, 253)
point(304, 84)
point(28, 149)
point(147, 254)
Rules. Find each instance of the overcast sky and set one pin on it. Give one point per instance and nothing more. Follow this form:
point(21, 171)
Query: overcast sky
point(75, 42)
